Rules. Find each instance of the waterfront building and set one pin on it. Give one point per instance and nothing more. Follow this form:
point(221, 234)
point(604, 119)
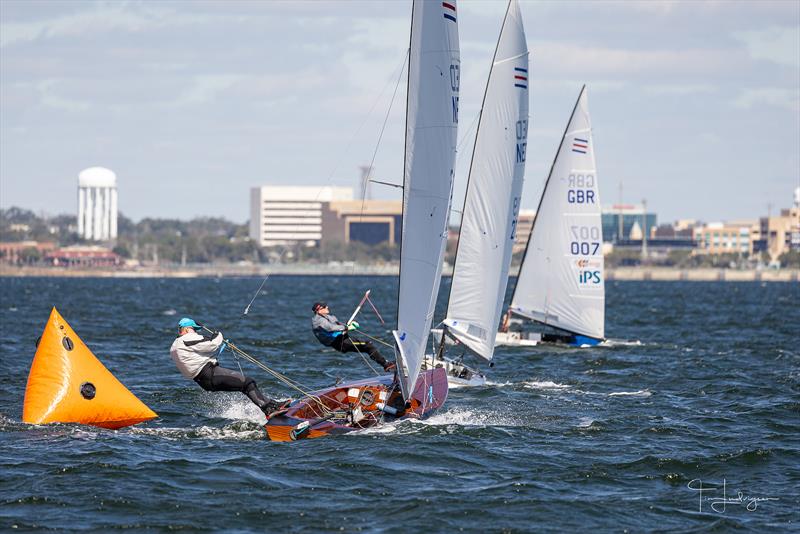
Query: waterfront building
point(619, 219)
point(311, 215)
point(367, 221)
point(524, 228)
point(97, 204)
point(780, 234)
point(733, 237)
point(19, 252)
point(286, 215)
point(82, 256)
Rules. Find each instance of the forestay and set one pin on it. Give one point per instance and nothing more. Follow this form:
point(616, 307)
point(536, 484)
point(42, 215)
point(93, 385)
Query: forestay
point(561, 281)
point(431, 123)
point(491, 206)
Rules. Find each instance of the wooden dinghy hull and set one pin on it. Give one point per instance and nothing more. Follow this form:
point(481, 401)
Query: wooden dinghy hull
point(356, 406)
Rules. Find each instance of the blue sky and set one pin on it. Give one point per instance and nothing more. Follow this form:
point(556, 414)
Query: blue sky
point(695, 105)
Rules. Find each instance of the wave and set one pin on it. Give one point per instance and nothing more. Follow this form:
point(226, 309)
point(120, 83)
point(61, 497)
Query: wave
point(468, 418)
point(237, 431)
point(546, 384)
point(640, 393)
point(530, 384)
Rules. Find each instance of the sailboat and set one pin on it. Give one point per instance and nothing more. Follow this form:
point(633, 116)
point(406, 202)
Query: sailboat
point(491, 207)
point(561, 280)
point(430, 147)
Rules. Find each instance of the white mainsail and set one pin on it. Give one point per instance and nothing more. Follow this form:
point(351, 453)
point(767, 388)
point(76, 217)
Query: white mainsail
point(561, 280)
point(431, 129)
point(491, 206)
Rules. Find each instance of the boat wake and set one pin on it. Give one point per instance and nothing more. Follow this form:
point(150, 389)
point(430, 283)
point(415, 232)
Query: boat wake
point(550, 386)
point(240, 430)
point(611, 343)
point(468, 418)
point(236, 409)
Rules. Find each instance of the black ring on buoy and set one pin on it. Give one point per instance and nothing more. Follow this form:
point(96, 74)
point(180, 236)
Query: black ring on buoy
point(88, 391)
point(67, 342)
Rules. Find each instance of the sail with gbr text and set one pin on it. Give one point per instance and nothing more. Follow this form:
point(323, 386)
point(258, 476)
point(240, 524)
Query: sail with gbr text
point(562, 280)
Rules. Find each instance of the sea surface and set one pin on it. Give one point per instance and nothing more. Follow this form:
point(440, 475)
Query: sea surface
point(700, 390)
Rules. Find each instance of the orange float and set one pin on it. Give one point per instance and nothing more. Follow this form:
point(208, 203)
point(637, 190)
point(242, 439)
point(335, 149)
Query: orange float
point(68, 384)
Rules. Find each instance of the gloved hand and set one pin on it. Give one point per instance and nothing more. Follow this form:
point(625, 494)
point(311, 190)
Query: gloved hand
point(222, 348)
point(353, 325)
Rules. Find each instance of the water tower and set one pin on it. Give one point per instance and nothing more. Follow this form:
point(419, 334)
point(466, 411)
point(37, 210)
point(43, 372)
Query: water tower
point(97, 204)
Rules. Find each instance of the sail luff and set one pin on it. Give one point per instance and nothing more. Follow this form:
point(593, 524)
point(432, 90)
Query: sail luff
point(491, 205)
point(561, 280)
point(431, 129)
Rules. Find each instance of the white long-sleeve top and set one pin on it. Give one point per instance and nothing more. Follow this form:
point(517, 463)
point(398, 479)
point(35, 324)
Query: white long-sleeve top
point(191, 352)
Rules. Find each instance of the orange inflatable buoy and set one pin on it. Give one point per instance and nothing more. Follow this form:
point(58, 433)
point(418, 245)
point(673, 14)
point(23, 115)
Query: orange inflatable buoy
point(68, 384)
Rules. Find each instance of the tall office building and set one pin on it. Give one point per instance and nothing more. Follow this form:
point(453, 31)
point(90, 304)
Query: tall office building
point(97, 204)
point(282, 215)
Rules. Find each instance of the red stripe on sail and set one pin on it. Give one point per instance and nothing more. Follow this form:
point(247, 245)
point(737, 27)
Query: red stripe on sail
point(448, 6)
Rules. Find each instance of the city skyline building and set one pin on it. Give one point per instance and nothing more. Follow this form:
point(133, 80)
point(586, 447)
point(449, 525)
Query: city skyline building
point(284, 215)
point(618, 221)
point(97, 204)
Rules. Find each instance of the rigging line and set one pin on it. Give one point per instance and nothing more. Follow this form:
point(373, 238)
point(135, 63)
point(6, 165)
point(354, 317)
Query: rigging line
point(333, 172)
point(281, 377)
point(386, 183)
point(380, 138)
point(469, 130)
point(365, 360)
point(377, 340)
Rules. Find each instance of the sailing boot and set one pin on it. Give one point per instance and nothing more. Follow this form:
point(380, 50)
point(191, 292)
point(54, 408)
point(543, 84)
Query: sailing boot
point(274, 408)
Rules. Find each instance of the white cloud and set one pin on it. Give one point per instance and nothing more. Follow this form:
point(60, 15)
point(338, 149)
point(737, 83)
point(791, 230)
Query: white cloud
point(679, 89)
point(573, 57)
point(50, 98)
point(779, 45)
point(205, 88)
point(770, 96)
point(103, 18)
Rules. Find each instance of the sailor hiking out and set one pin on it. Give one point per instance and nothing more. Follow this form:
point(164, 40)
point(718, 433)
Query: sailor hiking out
point(331, 333)
point(195, 357)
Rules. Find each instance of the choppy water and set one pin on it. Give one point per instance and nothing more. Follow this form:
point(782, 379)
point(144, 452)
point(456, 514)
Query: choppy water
point(562, 439)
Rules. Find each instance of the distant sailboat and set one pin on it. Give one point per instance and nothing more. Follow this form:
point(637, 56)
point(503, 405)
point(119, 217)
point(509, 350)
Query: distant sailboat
point(431, 130)
point(561, 281)
point(491, 207)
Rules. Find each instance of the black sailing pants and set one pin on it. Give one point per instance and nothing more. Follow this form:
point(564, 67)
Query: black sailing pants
point(212, 377)
point(343, 343)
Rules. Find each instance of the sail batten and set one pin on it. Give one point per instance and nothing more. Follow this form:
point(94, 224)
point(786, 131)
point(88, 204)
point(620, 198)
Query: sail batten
point(562, 281)
point(491, 205)
point(434, 76)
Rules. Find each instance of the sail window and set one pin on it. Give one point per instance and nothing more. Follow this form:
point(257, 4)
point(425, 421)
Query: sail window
point(67, 342)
